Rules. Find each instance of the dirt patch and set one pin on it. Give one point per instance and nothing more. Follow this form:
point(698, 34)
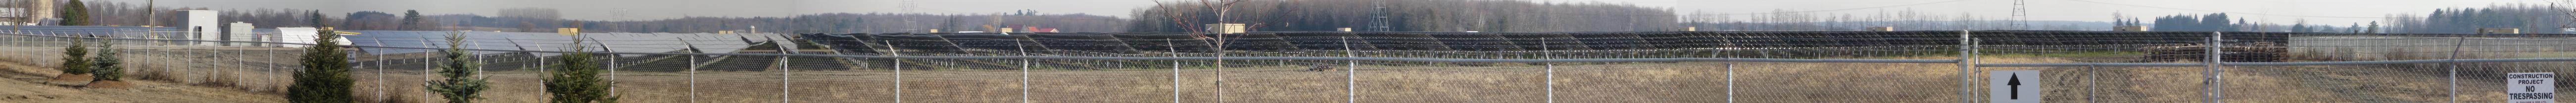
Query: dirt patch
point(70, 79)
point(108, 84)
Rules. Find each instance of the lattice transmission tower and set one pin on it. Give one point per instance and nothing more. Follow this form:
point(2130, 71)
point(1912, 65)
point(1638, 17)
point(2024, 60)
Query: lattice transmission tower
point(2020, 16)
point(908, 24)
point(1378, 20)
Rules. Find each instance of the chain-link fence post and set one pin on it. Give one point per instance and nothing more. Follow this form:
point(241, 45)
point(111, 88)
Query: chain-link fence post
point(542, 72)
point(1545, 58)
point(1976, 55)
point(1024, 69)
point(241, 63)
point(1176, 70)
point(2216, 89)
point(380, 69)
point(166, 53)
point(425, 65)
point(485, 60)
point(191, 56)
point(612, 63)
point(693, 77)
point(1967, 59)
point(1350, 78)
point(2092, 77)
point(2454, 65)
point(1730, 72)
point(898, 71)
point(267, 79)
point(783, 87)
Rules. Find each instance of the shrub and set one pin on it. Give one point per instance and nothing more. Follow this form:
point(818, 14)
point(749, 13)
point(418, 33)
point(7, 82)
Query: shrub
point(74, 58)
point(460, 86)
point(325, 78)
point(74, 14)
point(105, 63)
point(578, 81)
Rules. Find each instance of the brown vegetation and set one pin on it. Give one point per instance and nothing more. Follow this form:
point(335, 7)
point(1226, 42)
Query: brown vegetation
point(1501, 82)
point(27, 84)
point(70, 79)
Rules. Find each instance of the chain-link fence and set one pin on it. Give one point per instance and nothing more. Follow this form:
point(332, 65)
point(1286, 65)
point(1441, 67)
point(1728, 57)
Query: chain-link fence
point(1905, 66)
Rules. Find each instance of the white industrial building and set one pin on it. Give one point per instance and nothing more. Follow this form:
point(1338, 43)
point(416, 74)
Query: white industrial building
point(240, 31)
point(201, 25)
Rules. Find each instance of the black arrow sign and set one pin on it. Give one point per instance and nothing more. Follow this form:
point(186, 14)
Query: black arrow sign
point(2016, 86)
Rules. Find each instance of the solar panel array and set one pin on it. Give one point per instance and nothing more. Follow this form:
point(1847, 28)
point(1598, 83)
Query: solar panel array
point(1899, 42)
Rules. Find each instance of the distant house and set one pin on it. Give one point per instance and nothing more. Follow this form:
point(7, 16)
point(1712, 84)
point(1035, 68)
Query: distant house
point(13, 16)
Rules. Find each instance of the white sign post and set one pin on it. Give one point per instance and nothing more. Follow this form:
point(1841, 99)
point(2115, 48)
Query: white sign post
point(2530, 87)
point(2013, 86)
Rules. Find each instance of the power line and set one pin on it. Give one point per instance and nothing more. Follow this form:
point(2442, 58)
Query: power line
point(2232, 12)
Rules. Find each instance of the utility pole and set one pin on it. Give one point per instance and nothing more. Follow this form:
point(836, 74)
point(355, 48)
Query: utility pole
point(151, 16)
point(25, 15)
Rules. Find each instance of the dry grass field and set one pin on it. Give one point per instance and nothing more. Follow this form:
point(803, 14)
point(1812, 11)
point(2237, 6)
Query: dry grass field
point(1501, 83)
point(27, 84)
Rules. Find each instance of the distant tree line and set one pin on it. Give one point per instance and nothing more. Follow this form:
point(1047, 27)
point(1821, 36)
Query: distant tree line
point(2209, 22)
point(870, 23)
point(2531, 18)
point(544, 20)
point(1902, 20)
point(1408, 15)
point(2222, 22)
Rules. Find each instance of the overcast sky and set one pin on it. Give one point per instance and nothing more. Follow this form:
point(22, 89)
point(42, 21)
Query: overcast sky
point(2275, 11)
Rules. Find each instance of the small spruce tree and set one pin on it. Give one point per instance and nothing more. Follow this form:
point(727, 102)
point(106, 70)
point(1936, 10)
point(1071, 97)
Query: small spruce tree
point(325, 78)
point(460, 86)
point(105, 63)
point(578, 81)
point(75, 60)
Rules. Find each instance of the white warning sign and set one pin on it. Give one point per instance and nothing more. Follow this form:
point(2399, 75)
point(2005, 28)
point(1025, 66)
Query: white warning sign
point(2013, 86)
point(2530, 87)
